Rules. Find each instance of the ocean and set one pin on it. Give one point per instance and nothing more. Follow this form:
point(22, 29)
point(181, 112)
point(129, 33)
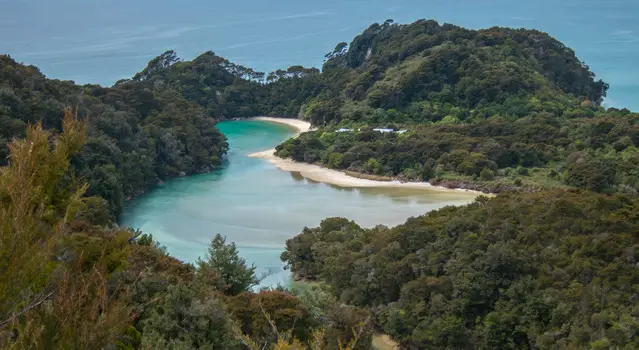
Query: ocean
point(102, 42)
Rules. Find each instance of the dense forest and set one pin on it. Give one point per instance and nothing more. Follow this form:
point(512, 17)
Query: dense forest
point(598, 152)
point(549, 263)
point(549, 270)
point(71, 280)
point(493, 110)
point(427, 72)
point(138, 133)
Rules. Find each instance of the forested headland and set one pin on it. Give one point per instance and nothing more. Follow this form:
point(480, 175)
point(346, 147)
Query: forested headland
point(493, 110)
point(549, 263)
point(138, 133)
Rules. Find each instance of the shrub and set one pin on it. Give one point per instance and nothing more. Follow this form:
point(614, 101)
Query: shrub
point(487, 174)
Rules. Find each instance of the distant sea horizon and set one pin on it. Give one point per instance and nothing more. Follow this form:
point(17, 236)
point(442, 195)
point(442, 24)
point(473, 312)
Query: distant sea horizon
point(100, 43)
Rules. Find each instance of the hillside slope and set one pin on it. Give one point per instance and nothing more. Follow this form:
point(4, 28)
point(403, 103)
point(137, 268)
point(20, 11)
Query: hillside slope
point(493, 110)
point(497, 109)
point(138, 133)
point(426, 72)
point(554, 269)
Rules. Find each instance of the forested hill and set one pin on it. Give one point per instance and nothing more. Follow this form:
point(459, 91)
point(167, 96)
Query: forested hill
point(492, 110)
point(396, 73)
point(483, 108)
point(222, 88)
point(549, 270)
point(139, 133)
point(426, 72)
point(501, 108)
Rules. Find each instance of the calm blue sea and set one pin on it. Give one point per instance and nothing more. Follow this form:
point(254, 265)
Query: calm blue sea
point(103, 41)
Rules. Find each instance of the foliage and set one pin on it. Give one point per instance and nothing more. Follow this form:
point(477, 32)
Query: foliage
point(234, 275)
point(475, 105)
point(35, 210)
point(425, 71)
point(50, 296)
point(495, 98)
point(181, 320)
point(72, 280)
point(550, 269)
point(222, 88)
point(138, 132)
point(497, 108)
point(597, 153)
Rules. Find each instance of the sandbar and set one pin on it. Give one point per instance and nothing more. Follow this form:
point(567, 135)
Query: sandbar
point(335, 177)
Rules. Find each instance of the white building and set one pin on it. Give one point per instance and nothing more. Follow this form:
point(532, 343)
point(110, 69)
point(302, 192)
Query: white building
point(390, 130)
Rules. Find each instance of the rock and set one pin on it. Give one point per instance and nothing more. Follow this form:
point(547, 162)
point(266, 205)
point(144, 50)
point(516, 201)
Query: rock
point(182, 174)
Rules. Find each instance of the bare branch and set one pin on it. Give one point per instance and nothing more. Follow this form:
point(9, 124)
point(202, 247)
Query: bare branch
point(25, 310)
point(135, 236)
point(268, 318)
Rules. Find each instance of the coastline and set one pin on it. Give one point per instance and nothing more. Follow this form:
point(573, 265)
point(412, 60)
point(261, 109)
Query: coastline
point(335, 177)
point(299, 125)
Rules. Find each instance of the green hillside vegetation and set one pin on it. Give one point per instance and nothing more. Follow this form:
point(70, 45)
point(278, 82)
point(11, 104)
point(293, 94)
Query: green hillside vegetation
point(598, 153)
point(550, 270)
point(424, 71)
point(226, 90)
point(493, 110)
point(138, 133)
point(222, 88)
point(549, 263)
point(417, 72)
point(71, 280)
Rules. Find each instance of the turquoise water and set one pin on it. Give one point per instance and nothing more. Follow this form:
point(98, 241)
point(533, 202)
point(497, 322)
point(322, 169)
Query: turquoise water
point(259, 207)
point(103, 41)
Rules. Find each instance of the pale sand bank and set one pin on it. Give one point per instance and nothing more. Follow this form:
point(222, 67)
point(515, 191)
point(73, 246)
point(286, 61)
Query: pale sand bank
point(384, 342)
point(300, 125)
point(335, 177)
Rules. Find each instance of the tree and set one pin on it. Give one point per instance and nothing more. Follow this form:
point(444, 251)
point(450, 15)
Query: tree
point(182, 320)
point(165, 60)
point(486, 174)
point(54, 293)
point(589, 172)
point(372, 166)
point(34, 210)
point(340, 49)
point(235, 275)
point(506, 272)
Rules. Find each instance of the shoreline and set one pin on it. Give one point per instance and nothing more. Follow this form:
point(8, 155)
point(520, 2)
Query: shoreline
point(300, 126)
point(336, 177)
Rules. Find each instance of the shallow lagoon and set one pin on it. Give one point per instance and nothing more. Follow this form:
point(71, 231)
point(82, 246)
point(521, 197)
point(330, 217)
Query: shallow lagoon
point(259, 207)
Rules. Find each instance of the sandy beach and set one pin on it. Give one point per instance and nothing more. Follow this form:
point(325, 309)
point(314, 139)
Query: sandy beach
point(299, 125)
point(335, 177)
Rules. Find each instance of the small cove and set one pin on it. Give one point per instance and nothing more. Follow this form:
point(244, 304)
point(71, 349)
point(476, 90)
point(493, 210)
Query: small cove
point(259, 207)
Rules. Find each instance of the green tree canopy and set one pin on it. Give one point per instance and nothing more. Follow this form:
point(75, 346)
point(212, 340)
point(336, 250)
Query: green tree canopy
point(235, 275)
